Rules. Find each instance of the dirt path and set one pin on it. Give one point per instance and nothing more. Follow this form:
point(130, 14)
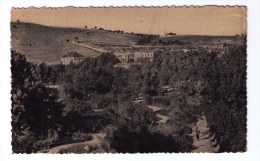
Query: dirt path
point(97, 138)
point(90, 47)
point(163, 118)
point(155, 108)
point(204, 142)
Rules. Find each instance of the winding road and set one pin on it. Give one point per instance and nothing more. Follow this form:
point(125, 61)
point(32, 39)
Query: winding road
point(163, 118)
point(90, 47)
point(97, 138)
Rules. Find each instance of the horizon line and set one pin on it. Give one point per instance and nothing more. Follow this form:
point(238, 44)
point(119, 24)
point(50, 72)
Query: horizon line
point(118, 29)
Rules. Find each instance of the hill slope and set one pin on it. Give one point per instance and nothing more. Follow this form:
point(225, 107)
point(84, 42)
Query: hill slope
point(203, 39)
point(48, 44)
point(190, 39)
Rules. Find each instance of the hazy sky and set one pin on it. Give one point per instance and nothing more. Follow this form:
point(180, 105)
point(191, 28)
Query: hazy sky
point(181, 20)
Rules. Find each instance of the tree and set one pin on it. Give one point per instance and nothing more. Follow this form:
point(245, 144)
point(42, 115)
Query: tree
point(27, 92)
point(125, 140)
point(32, 106)
point(225, 99)
point(44, 72)
point(165, 72)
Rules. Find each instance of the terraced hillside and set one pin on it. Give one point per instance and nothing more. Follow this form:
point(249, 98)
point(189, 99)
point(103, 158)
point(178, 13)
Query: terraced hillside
point(48, 44)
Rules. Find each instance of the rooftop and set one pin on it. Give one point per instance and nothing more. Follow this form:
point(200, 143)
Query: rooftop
point(73, 54)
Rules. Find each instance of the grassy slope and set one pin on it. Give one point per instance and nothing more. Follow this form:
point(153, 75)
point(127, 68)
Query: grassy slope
point(48, 44)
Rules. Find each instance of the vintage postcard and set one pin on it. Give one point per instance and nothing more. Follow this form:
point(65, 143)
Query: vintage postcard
point(129, 79)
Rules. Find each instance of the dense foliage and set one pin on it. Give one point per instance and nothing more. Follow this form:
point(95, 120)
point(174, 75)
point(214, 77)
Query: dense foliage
point(225, 99)
point(34, 111)
point(209, 83)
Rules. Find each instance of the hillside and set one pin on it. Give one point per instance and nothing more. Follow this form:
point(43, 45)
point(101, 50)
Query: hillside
point(190, 39)
point(48, 44)
point(202, 39)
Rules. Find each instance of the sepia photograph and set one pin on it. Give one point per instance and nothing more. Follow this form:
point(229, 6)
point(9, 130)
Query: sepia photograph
point(129, 80)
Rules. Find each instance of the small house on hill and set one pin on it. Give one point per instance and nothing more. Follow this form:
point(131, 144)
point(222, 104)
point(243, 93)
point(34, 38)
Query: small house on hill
point(73, 57)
